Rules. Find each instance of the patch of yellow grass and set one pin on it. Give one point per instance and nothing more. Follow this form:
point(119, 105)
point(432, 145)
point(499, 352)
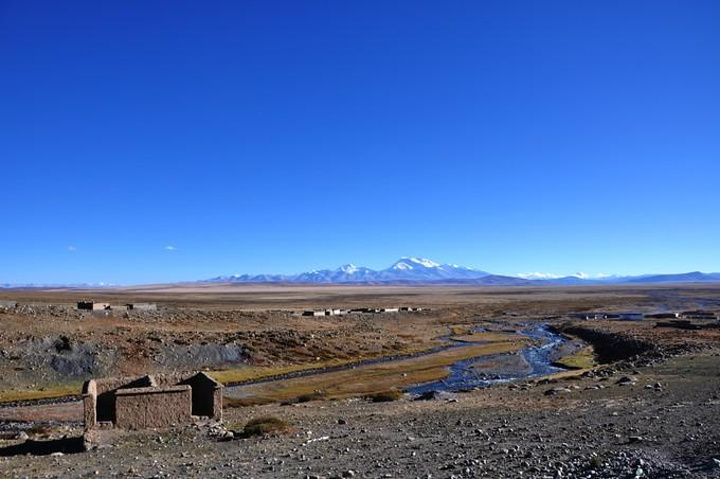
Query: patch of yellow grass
point(369, 379)
point(582, 359)
point(460, 329)
point(247, 373)
point(488, 337)
point(64, 390)
point(252, 373)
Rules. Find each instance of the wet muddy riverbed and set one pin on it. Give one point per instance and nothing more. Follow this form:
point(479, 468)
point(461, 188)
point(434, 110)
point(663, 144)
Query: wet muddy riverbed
point(484, 371)
point(479, 371)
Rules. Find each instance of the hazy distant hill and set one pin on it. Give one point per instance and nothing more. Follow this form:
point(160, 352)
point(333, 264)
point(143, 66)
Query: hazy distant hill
point(693, 277)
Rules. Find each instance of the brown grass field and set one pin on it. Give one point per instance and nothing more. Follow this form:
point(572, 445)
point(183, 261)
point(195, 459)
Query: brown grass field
point(196, 321)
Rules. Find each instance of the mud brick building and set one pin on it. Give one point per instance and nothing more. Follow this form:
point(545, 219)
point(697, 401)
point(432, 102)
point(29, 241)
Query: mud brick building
point(92, 306)
point(151, 401)
point(142, 306)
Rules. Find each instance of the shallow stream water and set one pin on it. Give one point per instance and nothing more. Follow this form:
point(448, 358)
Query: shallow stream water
point(471, 373)
point(536, 361)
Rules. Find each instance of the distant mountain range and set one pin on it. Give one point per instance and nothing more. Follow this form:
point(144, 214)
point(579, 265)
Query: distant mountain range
point(693, 277)
point(425, 271)
point(421, 270)
point(403, 270)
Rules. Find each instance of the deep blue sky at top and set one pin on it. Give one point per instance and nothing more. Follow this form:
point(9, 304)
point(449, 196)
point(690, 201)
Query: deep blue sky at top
point(267, 136)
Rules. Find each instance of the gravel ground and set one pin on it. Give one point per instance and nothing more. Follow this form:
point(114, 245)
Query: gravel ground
point(656, 421)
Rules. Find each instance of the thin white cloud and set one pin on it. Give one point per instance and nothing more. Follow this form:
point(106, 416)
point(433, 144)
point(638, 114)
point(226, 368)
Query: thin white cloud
point(170, 248)
point(72, 248)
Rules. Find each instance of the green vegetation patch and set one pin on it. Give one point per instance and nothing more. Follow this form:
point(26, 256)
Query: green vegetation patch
point(313, 396)
point(266, 425)
point(59, 391)
point(386, 396)
point(582, 359)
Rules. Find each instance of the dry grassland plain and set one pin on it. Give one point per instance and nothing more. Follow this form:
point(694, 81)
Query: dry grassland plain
point(242, 333)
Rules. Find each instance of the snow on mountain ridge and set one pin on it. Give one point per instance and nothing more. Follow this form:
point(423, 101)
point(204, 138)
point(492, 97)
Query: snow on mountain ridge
point(401, 265)
point(539, 275)
point(406, 269)
point(421, 270)
point(424, 262)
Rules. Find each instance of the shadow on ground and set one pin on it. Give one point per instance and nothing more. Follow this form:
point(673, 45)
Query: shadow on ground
point(69, 445)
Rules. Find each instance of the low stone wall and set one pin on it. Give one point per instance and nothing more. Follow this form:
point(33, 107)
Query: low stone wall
point(141, 408)
point(151, 401)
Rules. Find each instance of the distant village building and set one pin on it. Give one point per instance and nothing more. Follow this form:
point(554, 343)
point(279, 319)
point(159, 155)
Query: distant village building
point(610, 316)
point(663, 316)
point(340, 312)
point(699, 314)
point(92, 306)
point(151, 401)
point(590, 316)
point(142, 306)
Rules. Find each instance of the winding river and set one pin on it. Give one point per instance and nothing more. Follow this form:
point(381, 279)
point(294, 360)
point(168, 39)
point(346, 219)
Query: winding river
point(481, 371)
point(530, 362)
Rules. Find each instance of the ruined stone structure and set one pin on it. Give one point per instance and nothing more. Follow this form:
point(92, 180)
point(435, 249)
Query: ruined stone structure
point(142, 306)
point(92, 306)
point(151, 401)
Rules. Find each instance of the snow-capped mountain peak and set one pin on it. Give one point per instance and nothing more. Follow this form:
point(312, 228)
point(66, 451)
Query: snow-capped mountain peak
point(407, 264)
point(348, 268)
point(401, 265)
point(424, 262)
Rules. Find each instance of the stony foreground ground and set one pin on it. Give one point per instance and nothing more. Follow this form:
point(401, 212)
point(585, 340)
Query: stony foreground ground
point(656, 421)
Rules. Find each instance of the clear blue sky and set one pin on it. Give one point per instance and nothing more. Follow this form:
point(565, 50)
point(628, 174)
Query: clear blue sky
point(265, 136)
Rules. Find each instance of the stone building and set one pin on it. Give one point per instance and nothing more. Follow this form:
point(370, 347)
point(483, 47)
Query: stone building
point(151, 401)
point(142, 306)
point(92, 306)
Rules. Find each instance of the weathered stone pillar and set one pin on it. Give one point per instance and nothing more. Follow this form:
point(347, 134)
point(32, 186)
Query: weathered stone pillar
point(89, 396)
